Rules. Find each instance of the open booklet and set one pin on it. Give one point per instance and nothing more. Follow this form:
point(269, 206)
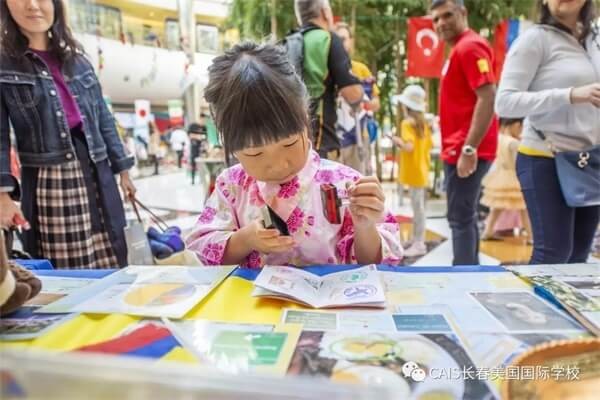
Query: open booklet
point(359, 287)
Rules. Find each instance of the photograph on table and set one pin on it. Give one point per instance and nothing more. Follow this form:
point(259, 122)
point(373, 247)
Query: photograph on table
point(587, 285)
point(416, 366)
point(566, 293)
point(523, 312)
point(237, 348)
point(55, 288)
point(26, 323)
point(166, 291)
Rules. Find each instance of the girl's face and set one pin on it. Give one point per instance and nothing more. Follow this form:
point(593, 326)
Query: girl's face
point(564, 9)
point(32, 16)
point(277, 162)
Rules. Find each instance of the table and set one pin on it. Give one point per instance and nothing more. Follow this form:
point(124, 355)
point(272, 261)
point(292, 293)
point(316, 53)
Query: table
point(409, 288)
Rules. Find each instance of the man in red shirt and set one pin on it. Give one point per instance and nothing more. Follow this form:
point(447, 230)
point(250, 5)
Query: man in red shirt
point(469, 126)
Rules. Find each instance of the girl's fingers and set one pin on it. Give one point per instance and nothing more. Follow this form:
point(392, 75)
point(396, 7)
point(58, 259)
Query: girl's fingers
point(267, 233)
point(372, 203)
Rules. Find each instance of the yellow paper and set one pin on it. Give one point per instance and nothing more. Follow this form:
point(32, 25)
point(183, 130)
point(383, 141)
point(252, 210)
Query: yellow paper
point(405, 297)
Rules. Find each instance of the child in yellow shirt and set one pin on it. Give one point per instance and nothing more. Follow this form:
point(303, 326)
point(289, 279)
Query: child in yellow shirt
point(415, 145)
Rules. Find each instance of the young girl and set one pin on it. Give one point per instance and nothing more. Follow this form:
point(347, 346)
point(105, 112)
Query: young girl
point(260, 108)
point(501, 187)
point(415, 145)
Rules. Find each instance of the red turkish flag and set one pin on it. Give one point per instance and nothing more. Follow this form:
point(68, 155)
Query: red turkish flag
point(425, 50)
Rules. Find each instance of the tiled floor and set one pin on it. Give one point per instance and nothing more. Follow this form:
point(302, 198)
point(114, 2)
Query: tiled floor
point(173, 196)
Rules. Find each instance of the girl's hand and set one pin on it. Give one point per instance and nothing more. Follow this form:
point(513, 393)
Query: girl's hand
point(397, 141)
point(267, 240)
point(366, 202)
point(127, 186)
point(10, 214)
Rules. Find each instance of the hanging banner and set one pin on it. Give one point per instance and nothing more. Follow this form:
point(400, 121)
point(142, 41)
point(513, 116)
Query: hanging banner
point(425, 50)
point(506, 33)
point(175, 108)
point(142, 119)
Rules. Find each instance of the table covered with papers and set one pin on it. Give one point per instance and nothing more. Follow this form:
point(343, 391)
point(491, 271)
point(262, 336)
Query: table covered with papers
point(444, 332)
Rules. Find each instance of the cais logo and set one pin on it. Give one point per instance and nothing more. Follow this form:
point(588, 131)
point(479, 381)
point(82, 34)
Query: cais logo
point(412, 370)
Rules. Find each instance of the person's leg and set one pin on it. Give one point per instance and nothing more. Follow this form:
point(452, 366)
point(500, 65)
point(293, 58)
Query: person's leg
point(552, 221)
point(193, 170)
point(586, 224)
point(418, 247)
point(179, 158)
point(527, 224)
point(492, 218)
point(417, 199)
point(463, 197)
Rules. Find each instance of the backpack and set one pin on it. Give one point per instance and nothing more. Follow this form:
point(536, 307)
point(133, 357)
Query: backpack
point(293, 44)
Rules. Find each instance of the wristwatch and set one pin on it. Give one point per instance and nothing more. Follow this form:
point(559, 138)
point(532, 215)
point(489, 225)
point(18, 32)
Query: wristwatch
point(469, 150)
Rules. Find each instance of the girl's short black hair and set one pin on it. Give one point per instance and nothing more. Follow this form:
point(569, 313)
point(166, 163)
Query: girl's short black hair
point(256, 97)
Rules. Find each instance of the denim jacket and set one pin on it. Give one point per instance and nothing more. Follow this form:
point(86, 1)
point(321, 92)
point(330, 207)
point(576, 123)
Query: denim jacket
point(29, 100)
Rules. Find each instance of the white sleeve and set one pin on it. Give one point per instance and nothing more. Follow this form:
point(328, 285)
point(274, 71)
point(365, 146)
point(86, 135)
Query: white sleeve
point(514, 98)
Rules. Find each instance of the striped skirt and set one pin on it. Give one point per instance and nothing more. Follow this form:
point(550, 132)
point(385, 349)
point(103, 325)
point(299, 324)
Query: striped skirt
point(75, 211)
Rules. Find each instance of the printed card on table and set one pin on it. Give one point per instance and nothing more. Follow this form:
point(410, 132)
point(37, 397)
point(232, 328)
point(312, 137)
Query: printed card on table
point(236, 348)
point(145, 291)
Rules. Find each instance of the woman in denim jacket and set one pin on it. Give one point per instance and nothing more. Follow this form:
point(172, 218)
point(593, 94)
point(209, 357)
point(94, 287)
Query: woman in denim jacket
point(66, 139)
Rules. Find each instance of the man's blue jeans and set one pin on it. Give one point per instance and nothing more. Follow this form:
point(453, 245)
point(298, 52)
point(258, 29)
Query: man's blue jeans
point(463, 198)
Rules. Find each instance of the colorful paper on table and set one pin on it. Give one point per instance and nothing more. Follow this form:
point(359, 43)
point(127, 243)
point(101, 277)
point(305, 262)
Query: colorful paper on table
point(311, 320)
point(556, 270)
point(146, 339)
point(413, 364)
point(361, 287)
point(366, 321)
point(421, 323)
point(146, 291)
point(575, 287)
point(237, 348)
point(55, 288)
point(26, 323)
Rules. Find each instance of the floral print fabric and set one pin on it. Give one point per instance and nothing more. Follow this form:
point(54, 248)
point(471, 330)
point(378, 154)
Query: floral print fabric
point(237, 201)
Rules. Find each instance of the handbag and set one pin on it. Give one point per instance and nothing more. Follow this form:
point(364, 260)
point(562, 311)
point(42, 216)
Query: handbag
point(166, 247)
point(578, 174)
point(13, 253)
point(138, 246)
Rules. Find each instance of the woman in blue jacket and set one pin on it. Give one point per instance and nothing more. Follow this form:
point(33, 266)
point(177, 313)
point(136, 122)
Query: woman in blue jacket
point(66, 139)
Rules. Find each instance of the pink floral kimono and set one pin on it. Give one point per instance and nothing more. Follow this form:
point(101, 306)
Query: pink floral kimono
point(237, 201)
